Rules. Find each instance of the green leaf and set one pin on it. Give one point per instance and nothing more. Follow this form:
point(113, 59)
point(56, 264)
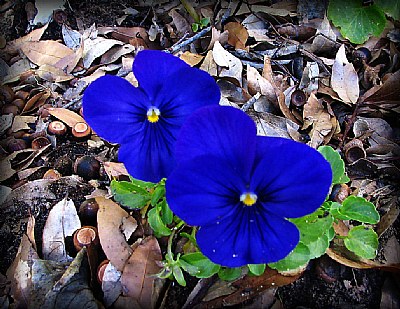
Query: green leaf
point(158, 193)
point(318, 247)
point(195, 27)
point(355, 21)
point(178, 275)
point(229, 274)
point(358, 208)
point(143, 184)
point(129, 194)
point(362, 241)
point(297, 258)
point(166, 214)
point(313, 226)
point(336, 162)
point(157, 225)
point(390, 7)
point(204, 21)
point(205, 268)
point(256, 269)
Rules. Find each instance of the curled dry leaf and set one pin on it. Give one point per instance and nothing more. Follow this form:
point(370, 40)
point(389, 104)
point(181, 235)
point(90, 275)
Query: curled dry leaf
point(19, 273)
point(344, 78)
point(231, 66)
point(115, 226)
point(248, 287)
point(191, 58)
point(138, 274)
point(258, 83)
point(339, 255)
point(115, 169)
point(62, 221)
point(323, 124)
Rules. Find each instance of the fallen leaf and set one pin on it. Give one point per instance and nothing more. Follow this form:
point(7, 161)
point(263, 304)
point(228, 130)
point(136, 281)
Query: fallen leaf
point(257, 83)
point(53, 74)
point(219, 36)
point(46, 52)
point(237, 35)
point(138, 274)
point(62, 222)
point(248, 287)
point(181, 24)
point(191, 58)
point(115, 226)
point(72, 289)
point(115, 169)
point(231, 66)
point(94, 48)
point(344, 78)
point(67, 116)
point(322, 122)
point(33, 36)
point(209, 65)
point(36, 101)
point(21, 122)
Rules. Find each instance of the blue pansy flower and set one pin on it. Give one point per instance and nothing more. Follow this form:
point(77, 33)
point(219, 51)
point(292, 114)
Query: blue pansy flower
point(145, 120)
point(241, 188)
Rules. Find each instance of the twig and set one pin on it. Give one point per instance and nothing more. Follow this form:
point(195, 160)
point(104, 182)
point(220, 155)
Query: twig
point(250, 102)
point(186, 42)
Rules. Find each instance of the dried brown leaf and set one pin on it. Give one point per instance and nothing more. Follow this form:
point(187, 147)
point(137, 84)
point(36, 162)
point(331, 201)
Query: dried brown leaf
point(209, 65)
point(250, 286)
point(219, 36)
point(36, 101)
point(33, 36)
point(340, 255)
point(67, 116)
point(45, 52)
point(191, 58)
point(344, 78)
point(138, 274)
point(62, 222)
point(387, 93)
point(257, 83)
point(323, 124)
point(237, 36)
point(53, 74)
point(115, 226)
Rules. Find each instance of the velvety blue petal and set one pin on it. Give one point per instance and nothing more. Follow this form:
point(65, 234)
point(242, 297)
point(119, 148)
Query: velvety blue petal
point(149, 154)
point(222, 131)
point(249, 237)
point(291, 179)
point(204, 190)
point(114, 108)
point(153, 67)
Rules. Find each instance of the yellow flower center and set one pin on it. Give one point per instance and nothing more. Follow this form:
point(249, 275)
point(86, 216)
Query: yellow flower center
point(248, 198)
point(153, 113)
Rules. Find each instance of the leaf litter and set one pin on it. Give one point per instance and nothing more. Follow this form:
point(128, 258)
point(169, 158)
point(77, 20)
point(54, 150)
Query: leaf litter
point(258, 62)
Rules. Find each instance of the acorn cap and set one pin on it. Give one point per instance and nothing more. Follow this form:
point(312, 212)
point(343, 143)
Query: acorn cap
point(81, 129)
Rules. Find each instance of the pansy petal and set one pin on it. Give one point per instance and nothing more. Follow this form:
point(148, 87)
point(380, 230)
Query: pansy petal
point(290, 178)
point(149, 154)
point(203, 190)
point(222, 131)
point(114, 108)
point(248, 238)
point(153, 67)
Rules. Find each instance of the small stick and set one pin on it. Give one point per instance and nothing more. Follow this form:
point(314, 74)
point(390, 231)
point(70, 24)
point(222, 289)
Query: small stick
point(186, 42)
point(250, 102)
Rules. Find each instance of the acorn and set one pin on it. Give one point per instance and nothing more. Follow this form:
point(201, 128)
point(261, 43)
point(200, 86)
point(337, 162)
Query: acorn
point(81, 130)
point(57, 128)
point(6, 94)
point(87, 167)
point(40, 142)
point(298, 98)
point(362, 54)
point(52, 174)
point(15, 144)
point(63, 164)
point(85, 236)
point(21, 94)
point(19, 103)
point(88, 212)
point(339, 193)
point(101, 269)
point(10, 109)
point(354, 151)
